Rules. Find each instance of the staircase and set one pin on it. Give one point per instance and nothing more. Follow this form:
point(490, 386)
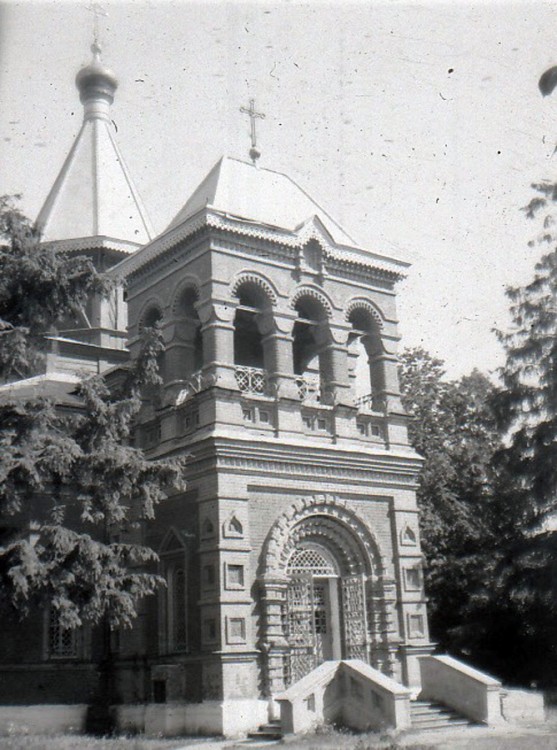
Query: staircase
point(426, 716)
point(270, 731)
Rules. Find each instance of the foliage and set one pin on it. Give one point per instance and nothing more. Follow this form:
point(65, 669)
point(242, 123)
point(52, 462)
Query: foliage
point(38, 287)
point(74, 491)
point(524, 600)
point(452, 425)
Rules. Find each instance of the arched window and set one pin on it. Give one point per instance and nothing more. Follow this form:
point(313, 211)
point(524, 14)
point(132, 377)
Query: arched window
point(152, 318)
point(188, 318)
point(248, 341)
point(365, 350)
point(250, 356)
point(178, 614)
point(173, 603)
point(310, 348)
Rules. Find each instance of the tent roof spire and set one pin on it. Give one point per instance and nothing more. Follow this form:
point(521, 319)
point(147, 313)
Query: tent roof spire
point(94, 195)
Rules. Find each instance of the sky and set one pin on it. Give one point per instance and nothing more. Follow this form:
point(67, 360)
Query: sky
point(418, 126)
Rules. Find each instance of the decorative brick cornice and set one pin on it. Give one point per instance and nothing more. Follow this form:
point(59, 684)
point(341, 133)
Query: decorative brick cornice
point(212, 219)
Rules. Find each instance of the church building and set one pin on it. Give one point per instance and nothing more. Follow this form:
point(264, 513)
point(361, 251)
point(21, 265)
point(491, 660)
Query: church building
point(296, 541)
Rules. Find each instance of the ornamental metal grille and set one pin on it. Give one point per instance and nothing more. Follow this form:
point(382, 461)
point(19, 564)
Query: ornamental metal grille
point(311, 560)
point(355, 617)
point(309, 388)
point(179, 610)
point(300, 628)
point(62, 642)
point(251, 379)
point(365, 403)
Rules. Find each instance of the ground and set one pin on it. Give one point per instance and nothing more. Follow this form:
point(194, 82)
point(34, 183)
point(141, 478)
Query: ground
point(533, 737)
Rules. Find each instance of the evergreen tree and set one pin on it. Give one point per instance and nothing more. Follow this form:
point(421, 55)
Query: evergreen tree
point(72, 485)
point(526, 574)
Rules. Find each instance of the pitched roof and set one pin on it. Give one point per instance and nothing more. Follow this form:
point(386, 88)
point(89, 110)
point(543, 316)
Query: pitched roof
point(58, 387)
point(94, 194)
point(259, 195)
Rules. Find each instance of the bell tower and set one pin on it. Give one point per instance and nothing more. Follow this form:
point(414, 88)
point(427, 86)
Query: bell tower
point(299, 522)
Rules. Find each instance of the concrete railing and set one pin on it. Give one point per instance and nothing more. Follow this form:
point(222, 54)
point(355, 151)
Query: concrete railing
point(350, 691)
point(467, 690)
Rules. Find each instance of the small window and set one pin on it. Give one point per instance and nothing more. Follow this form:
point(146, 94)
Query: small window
point(264, 417)
point(207, 528)
point(309, 423)
point(247, 414)
point(362, 428)
point(375, 430)
point(322, 424)
point(62, 642)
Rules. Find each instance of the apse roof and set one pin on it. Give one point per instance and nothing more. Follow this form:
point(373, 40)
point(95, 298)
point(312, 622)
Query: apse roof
point(259, 195)
point(94, 194)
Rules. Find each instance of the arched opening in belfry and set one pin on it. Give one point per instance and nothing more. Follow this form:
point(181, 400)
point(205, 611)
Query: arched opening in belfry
point(309, 348)
point(365, 353)
point(188, 317)
point(250, 357)
point(151, 319)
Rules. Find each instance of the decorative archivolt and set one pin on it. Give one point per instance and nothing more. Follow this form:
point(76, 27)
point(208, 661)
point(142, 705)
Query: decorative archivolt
point(185, 283)
point(325, 518)
point(361, 303)
point(257, 280)
point(316, 294)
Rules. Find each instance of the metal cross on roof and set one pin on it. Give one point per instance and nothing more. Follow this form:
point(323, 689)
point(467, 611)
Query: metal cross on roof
point(254, 152)
point(97, 10)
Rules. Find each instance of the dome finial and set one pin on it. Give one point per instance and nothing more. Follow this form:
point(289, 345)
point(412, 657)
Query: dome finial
point(254, 152)
point(96, 84)
point(96, 49)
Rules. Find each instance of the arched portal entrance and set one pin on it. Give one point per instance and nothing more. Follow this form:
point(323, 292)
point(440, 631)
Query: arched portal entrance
point(325, 610)
point(323, 592)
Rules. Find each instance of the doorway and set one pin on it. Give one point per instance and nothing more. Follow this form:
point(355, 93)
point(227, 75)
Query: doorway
point(324, 611)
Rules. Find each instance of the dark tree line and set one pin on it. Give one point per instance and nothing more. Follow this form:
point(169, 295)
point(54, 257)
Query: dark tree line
point(488, 488)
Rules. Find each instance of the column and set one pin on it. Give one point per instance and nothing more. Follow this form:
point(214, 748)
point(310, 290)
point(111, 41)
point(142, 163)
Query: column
point(273, 643)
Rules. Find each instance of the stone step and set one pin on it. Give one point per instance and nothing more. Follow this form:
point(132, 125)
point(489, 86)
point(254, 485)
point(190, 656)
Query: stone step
point(431, 712)
point(427, 715)
point(270, 731)
point(433, 723)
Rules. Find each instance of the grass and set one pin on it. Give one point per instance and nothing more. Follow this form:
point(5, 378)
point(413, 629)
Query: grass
point(79, 742)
